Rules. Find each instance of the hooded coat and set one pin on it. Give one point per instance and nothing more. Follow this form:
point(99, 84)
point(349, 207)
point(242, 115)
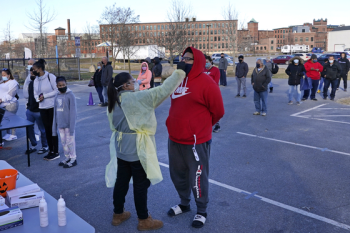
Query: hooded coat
point(145, 78)
point(311, 69)
point(261, 78)
point(344, 63)
point(107, 73)
point(196, 105)
point(157, 69)
point(295, 72)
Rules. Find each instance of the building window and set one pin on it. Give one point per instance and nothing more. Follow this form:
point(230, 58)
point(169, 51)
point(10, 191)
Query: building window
point(196, 33)
point(301, 39)
point(312, 46)
point(143, 27)
point(211, 46)
point(257, 48)
point(192, 33)
point(200, 25)
point(264, 47)
point(211, 38)
point(200, 46)
point(312, 39)
point(203, 25)
point(200, 33)
point(223, 45)
point(211, 32)
point(271, 41)
point(151, 27)
point(302, 30)
point(283, 36)
point(219, 46)
point(196, 25)
point(296, 39)
point(261, 48)
point(215, 32)
point(203, 38)
point(215, 46)
point(166, 27)
point(284, 31)
point(214, 38)
point(306, 38)
point(203, 32)
point(227, 45)
point(203, 46)
point(158, 27)
point(147, 27)
point(271, 47)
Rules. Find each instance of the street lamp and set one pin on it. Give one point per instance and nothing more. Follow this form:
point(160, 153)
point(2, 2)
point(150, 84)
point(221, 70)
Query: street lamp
point(208, 25)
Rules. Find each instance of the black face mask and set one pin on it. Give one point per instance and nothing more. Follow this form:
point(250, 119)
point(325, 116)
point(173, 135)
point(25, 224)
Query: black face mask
point(222, 56)
point(36, 73)
point(257, 65)
point(188, 68)
point(240, 60)
point(32, 78)
point(63, 89)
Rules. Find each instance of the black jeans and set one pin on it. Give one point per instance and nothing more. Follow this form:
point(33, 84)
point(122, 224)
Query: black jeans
point(126, 170)
point(47, 118)
point(327, 82)
point(223, 80)
point(99, 92)
point(343, 76)
point(313, 90)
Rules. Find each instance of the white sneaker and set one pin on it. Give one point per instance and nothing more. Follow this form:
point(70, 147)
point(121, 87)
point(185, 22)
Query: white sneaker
point(12, 137)
point(37, 137)
point(6, 136)
point(263, 114)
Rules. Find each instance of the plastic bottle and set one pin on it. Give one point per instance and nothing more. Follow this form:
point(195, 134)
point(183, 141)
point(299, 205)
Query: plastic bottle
point(61, 208)
point(44, 218)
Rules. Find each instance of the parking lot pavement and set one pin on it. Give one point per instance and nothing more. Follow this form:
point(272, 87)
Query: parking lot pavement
point(286, 172)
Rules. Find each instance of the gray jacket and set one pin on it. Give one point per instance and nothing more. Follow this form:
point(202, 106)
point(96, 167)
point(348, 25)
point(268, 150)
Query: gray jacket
point(261, 78)
point(65, 114)
point(242, 70)
point(46, 85)
point(223, 63)
point(107, 72)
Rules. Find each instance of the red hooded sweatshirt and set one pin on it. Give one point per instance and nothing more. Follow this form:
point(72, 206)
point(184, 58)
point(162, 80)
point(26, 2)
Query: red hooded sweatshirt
point(214, 73)
point(196, 105)
point(313, 74)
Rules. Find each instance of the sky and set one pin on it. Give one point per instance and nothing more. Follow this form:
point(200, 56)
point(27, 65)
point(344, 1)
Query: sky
point(270, 14)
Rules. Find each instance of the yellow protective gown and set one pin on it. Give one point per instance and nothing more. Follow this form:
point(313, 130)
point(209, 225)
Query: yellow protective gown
point(139, 108)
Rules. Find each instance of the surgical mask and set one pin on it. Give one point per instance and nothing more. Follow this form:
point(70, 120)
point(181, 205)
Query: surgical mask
point(207, 65)
point(32, 78)
point(331, 61)
point(315, 60)
point(188, 68)
point(240, 60)
point(29, 66)
point(143, 68)
point(36, 73)
point(5, 78)
point(98, 67)
point(136, 86)
point(63, 89)
point(257, 65)
point(296, 61)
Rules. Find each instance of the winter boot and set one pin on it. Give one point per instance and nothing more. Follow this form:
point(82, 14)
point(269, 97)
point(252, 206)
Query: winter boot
point(149, 224)
point(120, 218)
point(271, 89)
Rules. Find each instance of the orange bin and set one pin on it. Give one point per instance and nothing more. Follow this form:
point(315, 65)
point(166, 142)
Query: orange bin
point(9, 182)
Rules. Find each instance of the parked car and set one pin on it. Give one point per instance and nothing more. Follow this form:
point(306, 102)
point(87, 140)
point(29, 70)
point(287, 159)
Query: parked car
point(216, 61)
point(218, 55)
point(322, 58)
point(281, 59)
point(317, 50)
point(176, 60)
point(304, 56)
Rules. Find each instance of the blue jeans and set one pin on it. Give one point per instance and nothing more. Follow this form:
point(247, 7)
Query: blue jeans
point(320, 87)
point(291, 92)
point(99, 92)
point(328, 82)
point(223, 80)
point(35, 117)
point(263, 97)
point(105, 97)
point(313, 90)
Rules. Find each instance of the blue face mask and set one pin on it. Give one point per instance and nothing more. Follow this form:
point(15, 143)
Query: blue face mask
point(98, 67)
point(207, 65)
point(188, 68)
point(5, 78)
point(315, 60)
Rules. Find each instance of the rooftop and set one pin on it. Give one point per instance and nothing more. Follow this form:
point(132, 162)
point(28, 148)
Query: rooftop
point(59, 28)
point(252, 21)
point(341, 28)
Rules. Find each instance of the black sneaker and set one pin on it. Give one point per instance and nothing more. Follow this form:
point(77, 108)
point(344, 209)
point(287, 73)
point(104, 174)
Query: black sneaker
point(244, 96)
point(345, 90)
point(53, 156)
point(332, 99)
point(71, 164)
point(238, 95)
point(64, 162)
point(31, 150)
point(46, 157)
point(43, 150)
point(216, 129)
point(325, 98)
point(303, 99)
point(314, 99)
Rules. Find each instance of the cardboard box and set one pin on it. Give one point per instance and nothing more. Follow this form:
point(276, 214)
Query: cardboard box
point(10, 218)
point(22, 190)
point(27, 200)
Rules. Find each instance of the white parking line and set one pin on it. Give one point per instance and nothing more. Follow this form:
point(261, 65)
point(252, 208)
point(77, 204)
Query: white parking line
point(314, 118)
point(275, 203)
point(298, 113)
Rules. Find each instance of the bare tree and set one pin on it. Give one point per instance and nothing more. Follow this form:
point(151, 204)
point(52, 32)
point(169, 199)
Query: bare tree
point(231, 15)
point(8, 39)
point(173, 37)
point(38, 21)
point(89, 35)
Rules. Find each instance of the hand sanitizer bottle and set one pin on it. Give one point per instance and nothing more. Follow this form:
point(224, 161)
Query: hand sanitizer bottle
point(61, 208)
point(44, 218)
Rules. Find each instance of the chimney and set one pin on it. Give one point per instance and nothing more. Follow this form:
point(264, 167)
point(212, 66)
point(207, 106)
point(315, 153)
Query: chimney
point(186, 19)
point(194, 19)
point(68, 26)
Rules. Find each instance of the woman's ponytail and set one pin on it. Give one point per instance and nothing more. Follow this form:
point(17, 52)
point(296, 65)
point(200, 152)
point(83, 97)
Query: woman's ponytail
point(114, 87)
point(112, 94)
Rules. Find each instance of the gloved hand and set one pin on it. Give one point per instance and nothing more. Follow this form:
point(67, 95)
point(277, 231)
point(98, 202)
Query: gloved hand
point(181, 66)
point(139, 82)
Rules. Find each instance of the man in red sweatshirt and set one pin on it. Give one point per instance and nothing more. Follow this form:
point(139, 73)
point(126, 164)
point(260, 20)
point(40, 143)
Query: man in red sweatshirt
point(313, 71)
point(196, 105)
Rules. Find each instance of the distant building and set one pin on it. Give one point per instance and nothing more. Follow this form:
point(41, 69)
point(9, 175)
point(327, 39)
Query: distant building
point(338, 39)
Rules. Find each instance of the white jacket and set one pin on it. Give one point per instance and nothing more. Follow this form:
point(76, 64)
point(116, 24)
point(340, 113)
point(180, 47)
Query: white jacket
point(48, 88)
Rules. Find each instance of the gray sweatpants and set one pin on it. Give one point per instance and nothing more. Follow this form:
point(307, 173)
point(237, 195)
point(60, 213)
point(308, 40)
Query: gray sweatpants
point(187, 173)
point(241, 81)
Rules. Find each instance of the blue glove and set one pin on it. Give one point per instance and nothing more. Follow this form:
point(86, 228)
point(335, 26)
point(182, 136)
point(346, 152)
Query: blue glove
point(139, 82)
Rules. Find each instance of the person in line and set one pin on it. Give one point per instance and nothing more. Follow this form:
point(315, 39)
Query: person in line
point(345, 67)
point(295, 72)
point(8, 98)
point(196, 106)
point(45, 90)
point(260, 79)
point(157, 71)
point(332, 71)
point(241, 76)
point(213, 72)
point(313, 70)
point(132, 146)
point(145, 77)
point(98, 83)
point(64, 120)
point(270, 66)
point(106, 75)
point(150, 67)
point(33, 115)
point(320, 87)
point(223, 64)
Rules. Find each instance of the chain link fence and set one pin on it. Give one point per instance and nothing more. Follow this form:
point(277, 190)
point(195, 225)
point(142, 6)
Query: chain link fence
point(67, 67)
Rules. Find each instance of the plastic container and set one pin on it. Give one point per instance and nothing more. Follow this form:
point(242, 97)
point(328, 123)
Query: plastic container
point(8, 179)
point(44, 218)
point(61, 212)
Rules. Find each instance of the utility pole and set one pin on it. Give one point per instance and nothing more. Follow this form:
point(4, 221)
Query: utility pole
point(208, 25)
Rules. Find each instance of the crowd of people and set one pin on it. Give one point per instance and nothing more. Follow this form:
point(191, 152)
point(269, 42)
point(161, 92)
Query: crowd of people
point(195, 94)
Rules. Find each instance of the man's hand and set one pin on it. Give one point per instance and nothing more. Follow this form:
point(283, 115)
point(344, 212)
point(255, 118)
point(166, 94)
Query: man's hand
point(325, 75)
point(252, 84)
point(41, 98)
point(225, 71)
point(92, 77)
point(317, 70)
point(243, 77)
point(312, 68)
point(181, 66)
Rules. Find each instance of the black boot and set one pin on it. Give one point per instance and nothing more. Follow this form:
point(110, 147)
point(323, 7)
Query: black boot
point(271, 89)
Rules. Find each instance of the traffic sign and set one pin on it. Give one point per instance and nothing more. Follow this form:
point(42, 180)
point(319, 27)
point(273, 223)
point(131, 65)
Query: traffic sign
point(77, 41)
point(77, 52)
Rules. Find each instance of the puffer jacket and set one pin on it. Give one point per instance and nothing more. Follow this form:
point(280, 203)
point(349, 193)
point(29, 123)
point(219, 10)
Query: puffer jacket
point(295, 72)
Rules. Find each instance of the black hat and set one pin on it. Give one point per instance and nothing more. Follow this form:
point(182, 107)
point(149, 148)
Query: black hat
point(313, 56)
point(240, 56)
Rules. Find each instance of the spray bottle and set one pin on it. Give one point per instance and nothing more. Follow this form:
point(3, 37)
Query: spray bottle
point(44, 218)
point(61, 208)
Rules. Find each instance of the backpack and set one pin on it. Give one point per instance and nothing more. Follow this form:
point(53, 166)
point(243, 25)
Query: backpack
point(274, 68)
